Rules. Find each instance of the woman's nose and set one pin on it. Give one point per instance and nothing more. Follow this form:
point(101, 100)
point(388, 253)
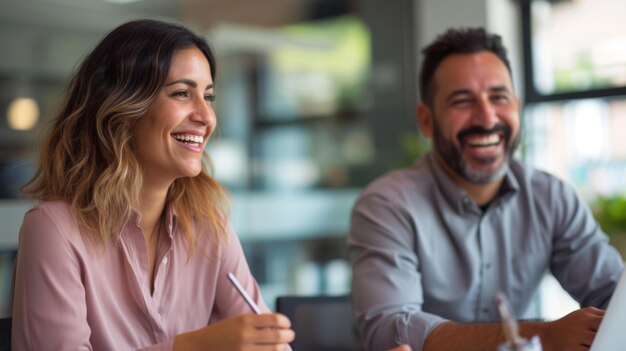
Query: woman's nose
point(203, 112)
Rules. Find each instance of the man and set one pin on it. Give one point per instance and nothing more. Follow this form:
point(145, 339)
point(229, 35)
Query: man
point(431, 245)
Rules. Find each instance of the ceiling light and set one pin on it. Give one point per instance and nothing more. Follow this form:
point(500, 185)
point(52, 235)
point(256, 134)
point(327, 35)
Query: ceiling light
point(23, 113)
point(122, 1)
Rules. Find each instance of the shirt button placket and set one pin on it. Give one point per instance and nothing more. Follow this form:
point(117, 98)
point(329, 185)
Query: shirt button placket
point(488, 283)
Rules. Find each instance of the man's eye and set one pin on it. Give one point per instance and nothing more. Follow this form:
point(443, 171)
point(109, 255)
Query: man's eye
point(500, 98)
point(461, 102)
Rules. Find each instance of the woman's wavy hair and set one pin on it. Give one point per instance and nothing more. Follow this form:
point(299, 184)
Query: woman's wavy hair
point(89, 157)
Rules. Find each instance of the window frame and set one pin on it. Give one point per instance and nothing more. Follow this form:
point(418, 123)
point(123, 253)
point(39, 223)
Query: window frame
point(531, 94)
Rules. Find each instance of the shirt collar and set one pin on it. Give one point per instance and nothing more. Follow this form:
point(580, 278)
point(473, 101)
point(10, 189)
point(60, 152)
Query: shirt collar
point(456, 195)
point(171, 219)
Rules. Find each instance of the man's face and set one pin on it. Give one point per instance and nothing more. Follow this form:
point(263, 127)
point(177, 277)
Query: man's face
point(474, 118)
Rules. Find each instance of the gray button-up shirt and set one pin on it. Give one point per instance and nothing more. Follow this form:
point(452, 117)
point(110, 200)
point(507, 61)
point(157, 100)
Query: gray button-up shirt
point(422, 251)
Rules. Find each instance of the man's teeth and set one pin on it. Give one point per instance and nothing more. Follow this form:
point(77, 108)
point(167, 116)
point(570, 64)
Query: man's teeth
point(485, 140)
point(188, 138)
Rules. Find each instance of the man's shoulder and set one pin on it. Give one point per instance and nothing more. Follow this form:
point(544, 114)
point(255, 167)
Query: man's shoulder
point(409, 179)
point(532, 177)
point(409, 187)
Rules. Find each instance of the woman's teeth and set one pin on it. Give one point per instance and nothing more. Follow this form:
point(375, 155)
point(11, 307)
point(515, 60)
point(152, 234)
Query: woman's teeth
point(188, 138)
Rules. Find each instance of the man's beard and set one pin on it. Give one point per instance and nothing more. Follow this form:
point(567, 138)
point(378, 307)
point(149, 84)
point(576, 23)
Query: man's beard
point(453, 156)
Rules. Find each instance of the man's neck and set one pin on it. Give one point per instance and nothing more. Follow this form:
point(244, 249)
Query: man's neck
point(482, 194)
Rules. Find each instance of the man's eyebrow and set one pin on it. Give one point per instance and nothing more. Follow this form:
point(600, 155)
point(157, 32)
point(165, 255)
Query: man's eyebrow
point(499, 89)
point(189, 82)
point(464, 91)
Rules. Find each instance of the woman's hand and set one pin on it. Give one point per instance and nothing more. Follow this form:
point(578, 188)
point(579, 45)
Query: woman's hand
point(246, 332)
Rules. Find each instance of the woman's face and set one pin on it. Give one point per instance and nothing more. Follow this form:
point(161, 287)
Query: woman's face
point(171, 137)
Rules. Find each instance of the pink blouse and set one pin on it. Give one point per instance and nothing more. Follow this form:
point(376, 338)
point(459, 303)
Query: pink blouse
point(70, 296)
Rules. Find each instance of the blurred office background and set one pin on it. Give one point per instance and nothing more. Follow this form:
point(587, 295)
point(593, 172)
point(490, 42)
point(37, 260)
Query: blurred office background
point(316, 98)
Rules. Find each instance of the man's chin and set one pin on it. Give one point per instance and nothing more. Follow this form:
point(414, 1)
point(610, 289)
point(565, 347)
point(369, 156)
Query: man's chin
point(484, 174)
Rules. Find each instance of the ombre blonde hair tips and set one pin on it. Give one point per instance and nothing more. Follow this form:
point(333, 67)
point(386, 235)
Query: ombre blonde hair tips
point(89, 157)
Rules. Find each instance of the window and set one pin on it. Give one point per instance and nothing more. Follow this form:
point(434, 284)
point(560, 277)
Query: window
point(574, 49)
point(575, 114)
point(575, 60)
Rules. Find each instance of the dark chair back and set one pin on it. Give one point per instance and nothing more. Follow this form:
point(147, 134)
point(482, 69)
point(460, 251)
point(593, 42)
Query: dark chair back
point(5, 334)
point(321, 323)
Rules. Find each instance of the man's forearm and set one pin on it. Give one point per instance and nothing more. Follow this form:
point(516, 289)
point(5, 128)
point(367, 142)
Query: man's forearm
point(469, 337)
point(484, 336)
point(572, 332)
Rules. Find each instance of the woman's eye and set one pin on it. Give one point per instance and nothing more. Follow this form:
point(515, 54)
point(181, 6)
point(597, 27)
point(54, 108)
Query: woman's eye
point(209, 98)
point(181, 93)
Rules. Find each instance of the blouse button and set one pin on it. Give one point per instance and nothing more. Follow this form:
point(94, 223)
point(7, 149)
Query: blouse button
point(164, 261)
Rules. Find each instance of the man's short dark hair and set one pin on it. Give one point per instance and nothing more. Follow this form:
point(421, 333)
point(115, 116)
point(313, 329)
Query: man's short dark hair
point(455, 41)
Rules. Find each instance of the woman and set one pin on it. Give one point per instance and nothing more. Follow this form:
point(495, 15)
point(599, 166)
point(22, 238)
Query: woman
point(130, 246)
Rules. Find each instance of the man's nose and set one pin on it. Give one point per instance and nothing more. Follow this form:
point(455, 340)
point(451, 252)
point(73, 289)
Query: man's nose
point(485, 114)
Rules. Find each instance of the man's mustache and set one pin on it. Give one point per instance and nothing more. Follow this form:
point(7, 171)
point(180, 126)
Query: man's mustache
point(477, 130)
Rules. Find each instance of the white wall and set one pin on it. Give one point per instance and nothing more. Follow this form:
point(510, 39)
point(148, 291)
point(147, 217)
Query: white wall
point(11, 214)
point(436, 16)
point(498, 16)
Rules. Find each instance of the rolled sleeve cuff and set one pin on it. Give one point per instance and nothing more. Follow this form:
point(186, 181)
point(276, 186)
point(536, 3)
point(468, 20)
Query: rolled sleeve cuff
point(414, 328)
point(401, 327)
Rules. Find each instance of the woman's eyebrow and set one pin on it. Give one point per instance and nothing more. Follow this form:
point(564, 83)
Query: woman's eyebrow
point(189, 82)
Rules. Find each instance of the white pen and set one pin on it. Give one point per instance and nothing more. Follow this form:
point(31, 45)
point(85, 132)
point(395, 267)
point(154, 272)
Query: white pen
point(243, 293)
point(509, 324)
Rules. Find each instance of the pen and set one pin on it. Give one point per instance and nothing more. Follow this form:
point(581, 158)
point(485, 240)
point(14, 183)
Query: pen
point(509, 324)
point(243, 293)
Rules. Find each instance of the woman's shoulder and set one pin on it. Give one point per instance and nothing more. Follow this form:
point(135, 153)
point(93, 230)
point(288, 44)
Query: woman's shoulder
point(58, 207)
point(56, 211)
point(51, 216)
point(220, 241)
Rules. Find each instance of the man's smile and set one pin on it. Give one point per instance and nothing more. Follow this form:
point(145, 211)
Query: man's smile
point(484, 140)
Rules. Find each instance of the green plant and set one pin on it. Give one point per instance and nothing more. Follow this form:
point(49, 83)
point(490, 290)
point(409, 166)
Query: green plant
point(413, 147)
point(610, 212)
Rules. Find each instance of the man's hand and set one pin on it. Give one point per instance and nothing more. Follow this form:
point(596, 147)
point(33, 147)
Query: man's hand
point(401, 348)
point(573, 332)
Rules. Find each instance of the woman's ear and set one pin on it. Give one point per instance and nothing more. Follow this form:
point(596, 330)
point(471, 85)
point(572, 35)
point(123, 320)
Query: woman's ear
point(425, 120)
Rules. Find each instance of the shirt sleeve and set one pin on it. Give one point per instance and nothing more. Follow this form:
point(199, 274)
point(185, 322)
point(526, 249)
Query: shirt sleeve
point(228, 302)
point(386, 283)
point(582, 259)
point(164, 346)
point(49, 309)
